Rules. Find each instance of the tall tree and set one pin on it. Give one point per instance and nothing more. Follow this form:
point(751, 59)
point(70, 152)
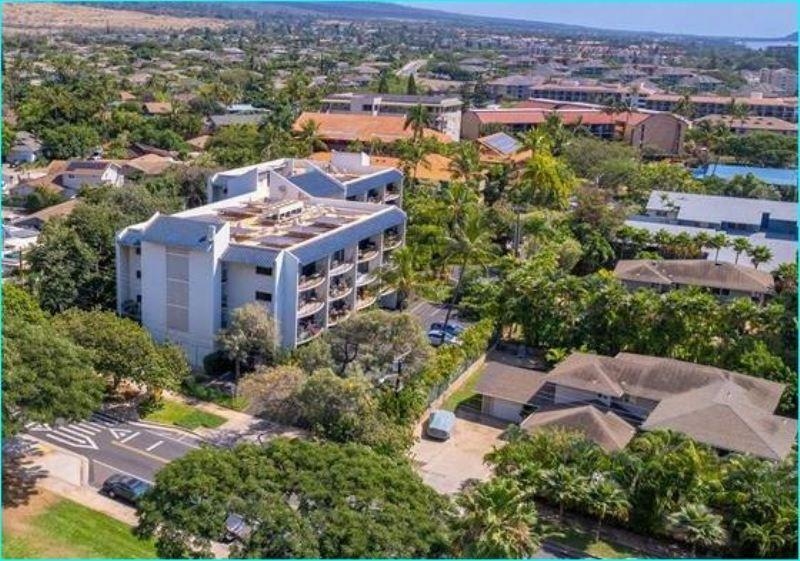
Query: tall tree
point(497, 521)
point(740, 245)
point(250, 339)
point(718, 242)
point(698, 526)
point(411, 85)
point(759, 254)
point(418, 118)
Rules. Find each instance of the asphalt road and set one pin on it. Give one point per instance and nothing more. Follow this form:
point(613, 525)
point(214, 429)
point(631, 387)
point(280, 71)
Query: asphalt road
point(411, 67)
point(427, 313)
point(114, 446)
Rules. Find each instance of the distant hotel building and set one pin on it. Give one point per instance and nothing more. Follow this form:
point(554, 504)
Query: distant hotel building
point(294, 236)
point(445, 110)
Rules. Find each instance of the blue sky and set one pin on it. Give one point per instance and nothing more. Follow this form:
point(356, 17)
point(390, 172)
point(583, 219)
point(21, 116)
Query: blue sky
point(743, 19)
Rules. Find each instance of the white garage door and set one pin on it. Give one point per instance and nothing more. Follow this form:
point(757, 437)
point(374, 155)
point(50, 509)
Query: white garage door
point(506, 410)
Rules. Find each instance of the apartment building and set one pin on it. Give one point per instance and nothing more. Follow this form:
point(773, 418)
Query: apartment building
point(783, 80)
point(763, 222)
point(445, 110)
point(781, 107)
point(311, 261)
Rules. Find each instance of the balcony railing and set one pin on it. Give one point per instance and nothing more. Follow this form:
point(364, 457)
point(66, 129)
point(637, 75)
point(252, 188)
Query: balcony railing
point(340, 267)
point(308, 331)
point(365, 300)
point(391, 195)
point(307, 282)
point(309, 306)
point(387, 289)
point(365, 278)
point(391, 241)
point(340, 291)
point(338, 315)
point(367, 253)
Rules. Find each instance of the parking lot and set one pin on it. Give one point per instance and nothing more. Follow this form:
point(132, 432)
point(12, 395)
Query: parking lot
point(429, 312)
point(445, 466)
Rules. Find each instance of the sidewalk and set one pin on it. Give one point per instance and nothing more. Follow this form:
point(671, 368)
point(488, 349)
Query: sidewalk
point(239, 425)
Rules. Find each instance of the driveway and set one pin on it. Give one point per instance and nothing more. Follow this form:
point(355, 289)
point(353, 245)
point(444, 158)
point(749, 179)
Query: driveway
point(445, 466)
point(427, 313)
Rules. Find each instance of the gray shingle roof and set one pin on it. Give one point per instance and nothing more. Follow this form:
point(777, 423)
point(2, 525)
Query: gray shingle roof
point(695, 272)
point(318, 184)
point(607, 430)
point(250, 255)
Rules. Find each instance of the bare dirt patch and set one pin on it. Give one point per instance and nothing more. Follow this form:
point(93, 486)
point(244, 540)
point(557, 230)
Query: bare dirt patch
point(43, 19)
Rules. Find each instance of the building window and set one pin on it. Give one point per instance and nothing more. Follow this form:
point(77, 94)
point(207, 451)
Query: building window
point(138, 251)
point(138, 274)
point(267, 271)
point(138, 298)
point(263, 296)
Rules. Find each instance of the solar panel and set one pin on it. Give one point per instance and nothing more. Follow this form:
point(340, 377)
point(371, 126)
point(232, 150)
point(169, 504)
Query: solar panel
point(503, 143)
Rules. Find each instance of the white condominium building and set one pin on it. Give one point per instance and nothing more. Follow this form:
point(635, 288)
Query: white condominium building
point(310, 260)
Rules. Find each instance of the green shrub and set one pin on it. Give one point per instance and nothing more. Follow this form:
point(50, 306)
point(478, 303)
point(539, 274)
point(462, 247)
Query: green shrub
point(216, 364)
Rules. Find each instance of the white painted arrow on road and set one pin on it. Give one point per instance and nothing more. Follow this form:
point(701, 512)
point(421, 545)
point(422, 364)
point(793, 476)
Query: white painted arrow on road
point(119, 433)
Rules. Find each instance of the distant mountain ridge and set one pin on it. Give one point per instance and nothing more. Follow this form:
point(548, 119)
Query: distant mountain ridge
point(389, 11)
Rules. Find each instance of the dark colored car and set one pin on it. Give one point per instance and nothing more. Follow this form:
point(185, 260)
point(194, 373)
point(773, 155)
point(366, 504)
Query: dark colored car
point(125, 488)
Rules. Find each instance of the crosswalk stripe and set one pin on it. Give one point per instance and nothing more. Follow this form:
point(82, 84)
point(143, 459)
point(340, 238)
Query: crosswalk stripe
point(73, 431)
point(104, 417)
point(74, 439)
point(89, 426)
point(96, 425)
point(84, 430)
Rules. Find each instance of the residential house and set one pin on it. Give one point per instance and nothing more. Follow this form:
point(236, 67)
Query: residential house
point(38, 219)
point(435, 168)
point(501, 148)
point(310, 261)
point(93, 173)
point(725, 280)
point(25, 150)
point(729, 411)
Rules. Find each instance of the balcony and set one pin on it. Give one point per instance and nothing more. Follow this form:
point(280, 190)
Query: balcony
point(391, 196)
point(340, 267)
point(365, 300)
point(391, 241)
point(309, 306)
point(338, 315)
point(308, 331)
point(340, 290)
point(365, 278)
point(369, 252)
point(387, 289)
point(307, 282)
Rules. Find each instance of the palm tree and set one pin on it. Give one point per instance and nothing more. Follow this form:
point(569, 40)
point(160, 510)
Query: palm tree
point(469, 245)
point(740, 245)
point(546, 181)
point(412, 155)
point(497, 521)
point(606, 498)
point(565, 486)
point(738, 111)
point(465, 163)
point(759, 254)
point(458, 197)
point(685, 107)
point(717, 242)
point(418, 118)
point(309, 139)
point(698, 526)
point(767, 538)
point(402, 275)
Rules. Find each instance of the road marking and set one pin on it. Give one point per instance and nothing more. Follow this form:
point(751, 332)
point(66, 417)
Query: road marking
point(89, 426)
point(179, 440)
point(417, 306)
point(90, 445)
point(117, 470)
point(83, 430)
point(38, 427)
point(140, 452)
point(96, 425)
point(154, 446)
point(119, 433)
point(131, 437)
point(105, 419)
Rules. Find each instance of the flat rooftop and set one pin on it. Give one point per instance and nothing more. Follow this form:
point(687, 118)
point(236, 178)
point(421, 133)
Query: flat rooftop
point(281, 224)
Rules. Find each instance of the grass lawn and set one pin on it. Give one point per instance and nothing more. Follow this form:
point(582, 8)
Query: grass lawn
point(598, 548)
point(55, 527)
point(466, 391)
point(186, 416)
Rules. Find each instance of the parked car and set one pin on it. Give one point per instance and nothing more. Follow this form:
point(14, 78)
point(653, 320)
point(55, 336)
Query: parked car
point(454, 329)
point(236, 528)
point(125, 488)
point(441, 424)
point(450, 336)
